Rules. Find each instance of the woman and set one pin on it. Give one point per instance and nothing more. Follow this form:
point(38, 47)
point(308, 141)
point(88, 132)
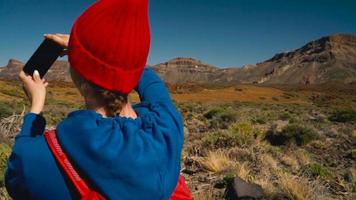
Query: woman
point(120, 151)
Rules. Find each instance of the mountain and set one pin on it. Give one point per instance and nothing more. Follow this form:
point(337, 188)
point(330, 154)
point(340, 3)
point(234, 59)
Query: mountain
point(11, 70)
point(328, 59)
point(186, 70)
point(59, 71)
point(331, 58)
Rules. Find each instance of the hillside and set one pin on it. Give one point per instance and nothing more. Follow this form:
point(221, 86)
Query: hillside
point(331, 58)
point(328, 59)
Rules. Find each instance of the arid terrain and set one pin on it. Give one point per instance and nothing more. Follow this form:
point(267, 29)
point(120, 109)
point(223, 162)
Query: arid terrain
point(285, 127)
point(295, 143)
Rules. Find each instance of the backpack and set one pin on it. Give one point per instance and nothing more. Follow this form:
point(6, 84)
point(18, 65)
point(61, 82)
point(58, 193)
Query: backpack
point(86, 193)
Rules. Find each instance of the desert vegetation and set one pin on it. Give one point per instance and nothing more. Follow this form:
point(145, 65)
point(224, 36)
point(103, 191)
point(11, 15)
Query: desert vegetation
point(294, 144)
point(292, 151)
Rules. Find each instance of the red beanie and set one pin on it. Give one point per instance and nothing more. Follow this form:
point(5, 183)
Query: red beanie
point(109, 43)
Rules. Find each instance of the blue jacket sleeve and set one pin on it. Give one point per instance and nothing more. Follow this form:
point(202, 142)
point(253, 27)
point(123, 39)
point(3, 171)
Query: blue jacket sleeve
point(33, 125)
point(151, 88)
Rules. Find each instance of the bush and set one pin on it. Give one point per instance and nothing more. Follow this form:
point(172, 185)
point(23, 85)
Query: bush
point(5, 151)
point(285, 116)
point(261, 119)
point(300, 135)
point(344, 116)
point(220, 117)
point(238, 134)
point(190, 107)
point(5, 110)
point(316, 170)
point(215, 112)
point(218, 140)
point(242, 133)
point(229, 178)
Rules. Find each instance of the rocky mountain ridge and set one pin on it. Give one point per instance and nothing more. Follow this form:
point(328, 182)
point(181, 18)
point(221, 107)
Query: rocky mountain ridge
point(331, 58)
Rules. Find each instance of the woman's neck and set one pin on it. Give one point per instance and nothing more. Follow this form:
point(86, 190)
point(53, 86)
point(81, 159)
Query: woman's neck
point(126, 111)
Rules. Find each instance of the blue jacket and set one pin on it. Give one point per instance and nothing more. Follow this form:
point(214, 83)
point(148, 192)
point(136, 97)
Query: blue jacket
point(122, 158)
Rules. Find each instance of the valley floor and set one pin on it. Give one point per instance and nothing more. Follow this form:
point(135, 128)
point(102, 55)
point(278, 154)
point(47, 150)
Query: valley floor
point(294, 143)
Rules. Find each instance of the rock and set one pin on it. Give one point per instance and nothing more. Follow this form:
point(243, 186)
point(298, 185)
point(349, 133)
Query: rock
point(219, 184)
point(188, 171)
point(316, 116)
point(281, 196)
point(240, 189)
point(349, 175)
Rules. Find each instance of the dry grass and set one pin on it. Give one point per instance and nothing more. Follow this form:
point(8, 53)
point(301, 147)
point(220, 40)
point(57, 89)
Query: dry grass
point(203, 195)
point(10, 126)
point(296, 187)
point(267, 184)
point(300, 188)
point(243, 171)
point(268, 161)
point(217, 161)
point(303, 157)
point(290, 160)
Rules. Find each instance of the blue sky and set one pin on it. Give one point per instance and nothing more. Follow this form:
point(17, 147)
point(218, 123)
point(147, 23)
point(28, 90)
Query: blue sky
point(225, 33)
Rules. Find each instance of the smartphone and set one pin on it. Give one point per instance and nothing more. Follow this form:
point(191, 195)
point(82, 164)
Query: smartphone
point(43, 58)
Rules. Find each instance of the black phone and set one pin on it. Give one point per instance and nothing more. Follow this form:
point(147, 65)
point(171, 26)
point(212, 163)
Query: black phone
point(43, 58)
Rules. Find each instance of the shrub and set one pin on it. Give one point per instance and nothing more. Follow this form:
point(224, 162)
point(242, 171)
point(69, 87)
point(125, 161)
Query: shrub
point(316, 170)
point(220, 117)
point(215, 112)
point(294, 120)
point(300, 135)
point(218, 139)
point(343, 116)
point(5, 151)
point(285, 116)
point(242, 133)
point(238, 134)
point(5, 110)
point(190, 107)
point(261, 119)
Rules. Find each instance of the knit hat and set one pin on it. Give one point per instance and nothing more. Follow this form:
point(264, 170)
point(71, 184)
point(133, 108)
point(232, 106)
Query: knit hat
point(109, 43)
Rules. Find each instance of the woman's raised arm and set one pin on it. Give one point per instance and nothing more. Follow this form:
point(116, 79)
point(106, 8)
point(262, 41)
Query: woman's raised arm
point(151, 88)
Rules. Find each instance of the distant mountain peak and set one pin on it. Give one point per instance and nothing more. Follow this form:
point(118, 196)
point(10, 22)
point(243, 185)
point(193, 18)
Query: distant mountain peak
point(185, 61)
point(14, 61)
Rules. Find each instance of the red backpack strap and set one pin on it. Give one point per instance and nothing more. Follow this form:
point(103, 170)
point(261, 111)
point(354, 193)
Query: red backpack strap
point(182, 191)
point(83, 189)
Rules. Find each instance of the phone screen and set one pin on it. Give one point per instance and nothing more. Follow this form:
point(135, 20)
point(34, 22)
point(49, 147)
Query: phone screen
point(43, 58)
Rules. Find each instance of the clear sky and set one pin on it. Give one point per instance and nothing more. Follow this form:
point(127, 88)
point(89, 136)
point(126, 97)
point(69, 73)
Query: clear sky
point(221, 32)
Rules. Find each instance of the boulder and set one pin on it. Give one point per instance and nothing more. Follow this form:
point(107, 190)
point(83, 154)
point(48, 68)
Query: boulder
point(239, 189)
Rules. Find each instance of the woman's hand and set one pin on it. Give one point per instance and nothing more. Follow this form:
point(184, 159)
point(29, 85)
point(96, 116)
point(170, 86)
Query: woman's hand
point(61, 39)
point(34, 86)
point(35, 89)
